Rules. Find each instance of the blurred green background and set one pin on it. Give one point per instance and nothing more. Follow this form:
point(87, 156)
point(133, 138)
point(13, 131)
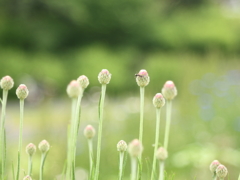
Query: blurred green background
point(46, 44)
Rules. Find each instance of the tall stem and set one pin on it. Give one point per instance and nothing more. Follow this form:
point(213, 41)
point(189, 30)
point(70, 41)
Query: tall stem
point(42, 165)
point(158, 111)
point(168, 123)
point(90, 147)
point(2, 133)
point(121, 157)
point(29, 165)
point(100, 130)
point(20, 137)
point(133, 168)
point(161, 170)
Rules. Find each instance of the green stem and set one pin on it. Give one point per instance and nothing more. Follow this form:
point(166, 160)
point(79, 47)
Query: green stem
point(100, 130)
point(161, 170)
point(29, 165)
point(168, 123)
point(43, 157)
point(121, 157)
point(20, 138)
point(133, 168)
point(90, 147)
point(158, 111)
point(2, 133)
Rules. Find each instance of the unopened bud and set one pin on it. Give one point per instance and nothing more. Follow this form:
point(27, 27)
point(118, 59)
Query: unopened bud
point(27, 178)
point(122, 146)
point(73, 89)
point(169, 90)
point(22, 91)
point(104, 76)
point(221, 171)
point(142, 78)
point(158, 100)
point(44, 146)
point(83, 81)
point(214, 165)
point(89, 132)
point(135, 148)
point(6, 83)
point(30, 149)
point(161, 154)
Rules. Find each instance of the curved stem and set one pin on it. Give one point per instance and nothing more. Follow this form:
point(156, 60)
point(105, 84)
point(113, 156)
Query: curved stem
point(158, 111)
point(100, 130)
point(20, 137)
point(2, 133)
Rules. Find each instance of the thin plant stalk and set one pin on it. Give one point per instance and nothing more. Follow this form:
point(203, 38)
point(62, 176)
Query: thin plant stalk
point(90, 147)
point(121, 157)
point(43, 157)
point(100, 130)
point(161, 170)
point(20, 138)
point(158, 111)
point(30, 165)
point(2, 133)
point(133, 168)
point(168, 123)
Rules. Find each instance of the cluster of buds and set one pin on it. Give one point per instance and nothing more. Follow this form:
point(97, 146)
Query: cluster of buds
point(169, 90)
point(142, 78)
point(218, 169)
point(89, 132)
point(6, 83)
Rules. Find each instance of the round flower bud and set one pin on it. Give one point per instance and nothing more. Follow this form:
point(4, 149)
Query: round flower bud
point(135, 148)
point(161, 154)
point(104, 76)
point(44, 146)
point(158, 100)
point(214, 165)
point(142, 78)
point(6, 83)
point(22, 91)
point(221, 171)
point(73, 89)
point(27, 178)
point(121, 146)
point(83, 81)
point(89, 132)
point(169, 90)
point(30, 149)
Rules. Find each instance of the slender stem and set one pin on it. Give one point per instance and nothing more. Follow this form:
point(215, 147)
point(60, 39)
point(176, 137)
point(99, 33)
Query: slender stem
point(29, 165)
point(168, 123)
point(133, 168)
point(20, 137)
point(42, 165)
point(90, 147)
point(161, 170)
point(158, 111)
point(100, 130)
point(2, 133)
point(121, 156)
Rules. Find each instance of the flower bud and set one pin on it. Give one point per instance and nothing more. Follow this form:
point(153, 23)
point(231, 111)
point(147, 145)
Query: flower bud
point(104, 77)
point(214, 165)
point(27, 178)
point(158, 100)
point(142, 78)
point(22, 91)
point(83, 81)
point(161, 154)
point(89, 132)
point(73, 89)
point(135, 148)
point(121, 146)
point(221, 171)
point(30, 149)
point(6, 83)
point(169, 90)
point(44, 146)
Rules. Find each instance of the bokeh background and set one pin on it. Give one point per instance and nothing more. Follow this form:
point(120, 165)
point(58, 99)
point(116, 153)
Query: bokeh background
point(46, 44)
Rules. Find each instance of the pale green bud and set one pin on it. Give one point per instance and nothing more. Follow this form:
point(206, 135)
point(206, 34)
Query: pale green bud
point(83, 81)
point(6, 83)
point(44, 146)
point(27, 178)
point(221, 171)
point(89, 132)
point(30, 149)
point(135, 148)
point(22, 91)
point(142, 78)
point(158, 100)
point(161, 154)
point(169, 90)
point(122, 146)
point(73, 89)
point(214, 165)
point(104, 76)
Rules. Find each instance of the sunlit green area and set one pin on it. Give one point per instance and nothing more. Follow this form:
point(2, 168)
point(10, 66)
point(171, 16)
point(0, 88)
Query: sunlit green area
point(196, 44)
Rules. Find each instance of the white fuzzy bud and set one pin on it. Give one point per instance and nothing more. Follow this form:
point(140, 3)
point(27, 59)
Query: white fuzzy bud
point(83, 81)
point(6, 83)
point(30, 149)
point(214, 165)
point(142, 78)
point(27, 178)
point(73, 89)
point(89, 132)
point(22, 91)
point(158, 100)
point(161, 154)
point(122, 146)
point(169, 90)
point(135, 148)
point(104, 76)
point(221, 171)
point(44, 146)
